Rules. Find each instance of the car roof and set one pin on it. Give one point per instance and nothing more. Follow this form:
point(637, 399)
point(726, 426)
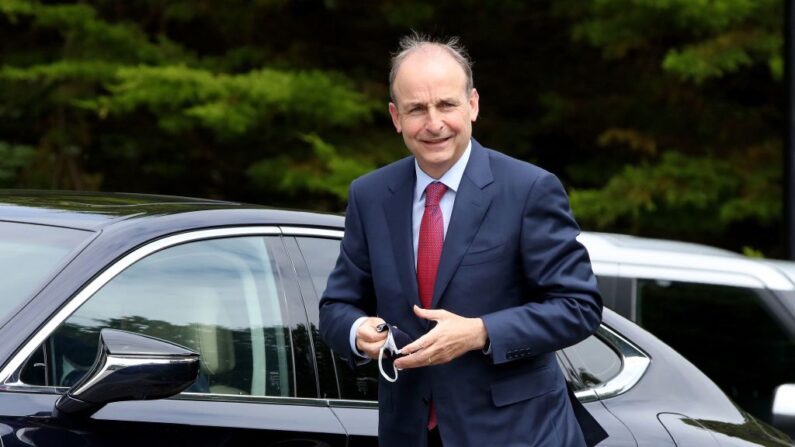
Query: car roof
point(679, 260)
point(643, 243)
point(169, 214)
point(787, 267)
point(98, 210)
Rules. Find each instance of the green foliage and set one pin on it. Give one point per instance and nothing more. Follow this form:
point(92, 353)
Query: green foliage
point(662, 116)
point(61, 71)
point(87, 36)
point(233, 104)
point(682, 196)
point(716, 37)
point(407, 13)
point(13, 158)
point(327, 172)
point(118, 88)
point(691, 113)
point(723, 54)
point(640, 195)
point(752, 252)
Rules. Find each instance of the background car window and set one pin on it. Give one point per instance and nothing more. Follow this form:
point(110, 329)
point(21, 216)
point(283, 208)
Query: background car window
point(727, 332)
point(321, 255)
point(31, 252)
point(221, 298)
point(592, 361)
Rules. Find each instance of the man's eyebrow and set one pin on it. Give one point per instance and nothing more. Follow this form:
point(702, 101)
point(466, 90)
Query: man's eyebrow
point(447, 101)
point(415, 104)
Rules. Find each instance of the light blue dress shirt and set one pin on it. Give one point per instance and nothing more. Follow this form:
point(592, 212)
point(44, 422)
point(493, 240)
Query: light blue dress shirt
point(451, 179)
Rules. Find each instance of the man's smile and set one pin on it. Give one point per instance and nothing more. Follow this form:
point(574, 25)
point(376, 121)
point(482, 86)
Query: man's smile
point(438, 142)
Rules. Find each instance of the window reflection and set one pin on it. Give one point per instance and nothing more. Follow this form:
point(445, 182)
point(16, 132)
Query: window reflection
point(593, 362)
point(31, 252)
point(730, 333)
point(221, 298)
point(321, 255)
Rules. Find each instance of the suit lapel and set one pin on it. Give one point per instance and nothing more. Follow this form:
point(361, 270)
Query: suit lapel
point(471, 203)
point(398, 210)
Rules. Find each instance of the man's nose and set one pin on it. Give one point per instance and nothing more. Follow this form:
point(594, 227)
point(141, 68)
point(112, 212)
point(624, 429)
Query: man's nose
point(434, 122)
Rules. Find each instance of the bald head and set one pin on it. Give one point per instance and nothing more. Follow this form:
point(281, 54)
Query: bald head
point(417, 43)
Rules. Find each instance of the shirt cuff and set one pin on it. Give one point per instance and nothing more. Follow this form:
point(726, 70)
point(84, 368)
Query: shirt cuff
point(487, 349)
point(354, 327)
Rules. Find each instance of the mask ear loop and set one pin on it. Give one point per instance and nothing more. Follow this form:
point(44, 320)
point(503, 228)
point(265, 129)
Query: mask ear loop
point(381, 359)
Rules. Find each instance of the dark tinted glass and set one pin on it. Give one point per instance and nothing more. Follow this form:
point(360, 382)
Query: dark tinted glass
point(28, 255)
point(594, 362)
point(221, 298)
point(320, 255)
point(362, 384)
point(728, 332)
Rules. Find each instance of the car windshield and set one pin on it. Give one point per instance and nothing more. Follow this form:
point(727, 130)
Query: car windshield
point(29, 255)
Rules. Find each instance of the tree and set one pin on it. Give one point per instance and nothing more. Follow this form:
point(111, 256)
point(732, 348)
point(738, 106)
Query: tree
point(662, 117)
point(699, 110)
point(120, 104)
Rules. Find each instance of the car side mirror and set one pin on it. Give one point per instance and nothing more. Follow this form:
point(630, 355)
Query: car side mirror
point(129, 366)
point(784, 408)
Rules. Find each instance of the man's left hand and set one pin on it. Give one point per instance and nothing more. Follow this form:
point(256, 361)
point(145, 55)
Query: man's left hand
point(452, 337)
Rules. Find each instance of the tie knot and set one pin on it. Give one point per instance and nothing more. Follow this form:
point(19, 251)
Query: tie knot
point(434, 193)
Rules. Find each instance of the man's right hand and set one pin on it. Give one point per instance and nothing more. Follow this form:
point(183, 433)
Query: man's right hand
point(368, 340)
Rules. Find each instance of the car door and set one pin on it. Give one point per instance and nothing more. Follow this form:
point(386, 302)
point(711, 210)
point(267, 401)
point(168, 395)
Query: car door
point(729, 326)
point(229, 294)
point(591, 364)
point(352, 395)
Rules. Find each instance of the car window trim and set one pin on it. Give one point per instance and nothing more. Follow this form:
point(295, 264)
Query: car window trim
point(634, 364)
point(17, 360)
point(213, 397)
point(311, 231)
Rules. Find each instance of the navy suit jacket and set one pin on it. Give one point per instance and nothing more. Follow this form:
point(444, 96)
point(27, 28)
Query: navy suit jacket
point(509, 257)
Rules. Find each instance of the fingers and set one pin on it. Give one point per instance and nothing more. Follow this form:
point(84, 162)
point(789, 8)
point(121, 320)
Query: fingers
point(452, 337)
point(420, 343)
point(368, 340)
point(419, 359)
point(431, 314)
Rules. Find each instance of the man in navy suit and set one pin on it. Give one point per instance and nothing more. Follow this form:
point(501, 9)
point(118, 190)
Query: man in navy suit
point(472, 254)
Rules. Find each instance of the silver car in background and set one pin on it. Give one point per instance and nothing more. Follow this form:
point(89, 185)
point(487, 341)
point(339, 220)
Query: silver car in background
point(731, 315)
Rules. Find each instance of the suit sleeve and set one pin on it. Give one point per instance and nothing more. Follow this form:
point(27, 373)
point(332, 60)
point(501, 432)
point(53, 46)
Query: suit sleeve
point(349, 293)
point(563, 305)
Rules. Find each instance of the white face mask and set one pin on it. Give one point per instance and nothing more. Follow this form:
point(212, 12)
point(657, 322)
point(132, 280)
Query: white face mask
point(395, 340)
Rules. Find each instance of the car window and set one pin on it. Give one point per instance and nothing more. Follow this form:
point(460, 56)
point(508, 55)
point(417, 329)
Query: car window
point(321, 255)
point(31, 252)
point(220, 297)
point(592, 362)
point(586, 364)
point(727, 332)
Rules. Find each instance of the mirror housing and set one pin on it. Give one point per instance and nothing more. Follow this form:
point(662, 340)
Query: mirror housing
point(784, 408)
point(129, 366)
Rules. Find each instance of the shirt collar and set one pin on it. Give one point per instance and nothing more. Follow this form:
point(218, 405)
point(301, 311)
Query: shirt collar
point(451, 178)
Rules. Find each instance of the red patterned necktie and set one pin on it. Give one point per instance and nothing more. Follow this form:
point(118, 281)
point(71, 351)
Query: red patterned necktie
point(429, 250)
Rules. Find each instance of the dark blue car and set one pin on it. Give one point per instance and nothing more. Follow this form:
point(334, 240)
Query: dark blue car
point(150, 320)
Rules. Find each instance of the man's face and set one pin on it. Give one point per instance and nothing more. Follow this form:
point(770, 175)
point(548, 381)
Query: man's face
point(432, 109)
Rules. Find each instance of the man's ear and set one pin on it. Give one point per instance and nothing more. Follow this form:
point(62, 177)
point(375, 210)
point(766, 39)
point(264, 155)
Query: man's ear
point(393, 111)
point(474, 105)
